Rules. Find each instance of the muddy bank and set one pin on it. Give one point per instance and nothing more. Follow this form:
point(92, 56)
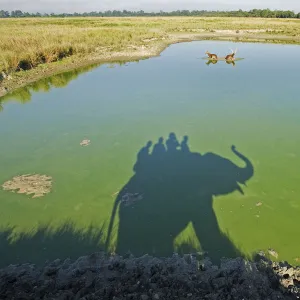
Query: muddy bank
point(11, 82)
point(112, 277)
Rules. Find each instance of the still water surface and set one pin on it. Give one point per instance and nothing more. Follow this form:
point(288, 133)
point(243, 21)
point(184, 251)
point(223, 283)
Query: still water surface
point(202, 195)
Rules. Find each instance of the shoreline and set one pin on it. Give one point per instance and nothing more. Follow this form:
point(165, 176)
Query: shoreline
point(102, 276)
point(18, 80)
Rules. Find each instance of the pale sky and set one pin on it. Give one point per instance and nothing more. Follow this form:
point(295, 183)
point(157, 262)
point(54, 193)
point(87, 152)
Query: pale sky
point(146, 5)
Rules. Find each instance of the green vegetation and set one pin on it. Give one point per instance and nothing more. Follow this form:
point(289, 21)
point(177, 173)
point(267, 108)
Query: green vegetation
point(254, 13)
point(29, 42)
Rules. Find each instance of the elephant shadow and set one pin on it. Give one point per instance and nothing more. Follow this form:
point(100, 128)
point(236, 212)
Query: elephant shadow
point(173, 188)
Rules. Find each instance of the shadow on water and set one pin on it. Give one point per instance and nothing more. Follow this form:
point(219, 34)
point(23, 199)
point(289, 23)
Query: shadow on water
point(48, 243)
point(177, 188)
point(172, 187)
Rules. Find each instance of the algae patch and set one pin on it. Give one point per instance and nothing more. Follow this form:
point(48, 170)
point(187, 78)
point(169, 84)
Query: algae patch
point(85, 143)
point(29, 184)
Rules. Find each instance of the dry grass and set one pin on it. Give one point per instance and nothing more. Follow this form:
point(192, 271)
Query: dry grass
point(26, 43)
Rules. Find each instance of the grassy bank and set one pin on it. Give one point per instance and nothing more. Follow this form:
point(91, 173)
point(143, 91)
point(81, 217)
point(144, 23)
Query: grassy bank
point(28, 43)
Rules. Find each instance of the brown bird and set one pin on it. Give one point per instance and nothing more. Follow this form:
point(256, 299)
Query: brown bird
point(212, 56)
point(231, 56)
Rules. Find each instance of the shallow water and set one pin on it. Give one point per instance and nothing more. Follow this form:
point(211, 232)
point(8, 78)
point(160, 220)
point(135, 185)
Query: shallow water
point(191, 200)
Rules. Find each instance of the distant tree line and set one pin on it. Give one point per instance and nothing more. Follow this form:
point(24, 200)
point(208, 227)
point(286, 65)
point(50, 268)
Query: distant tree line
point(259, 13)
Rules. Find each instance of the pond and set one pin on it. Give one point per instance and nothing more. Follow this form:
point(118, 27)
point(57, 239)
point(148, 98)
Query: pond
point(221, 174)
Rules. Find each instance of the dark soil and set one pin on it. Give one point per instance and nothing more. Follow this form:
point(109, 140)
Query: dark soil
point(99, 276)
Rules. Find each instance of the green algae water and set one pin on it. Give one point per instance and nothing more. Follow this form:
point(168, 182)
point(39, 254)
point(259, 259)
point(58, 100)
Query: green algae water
point(210, 150)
